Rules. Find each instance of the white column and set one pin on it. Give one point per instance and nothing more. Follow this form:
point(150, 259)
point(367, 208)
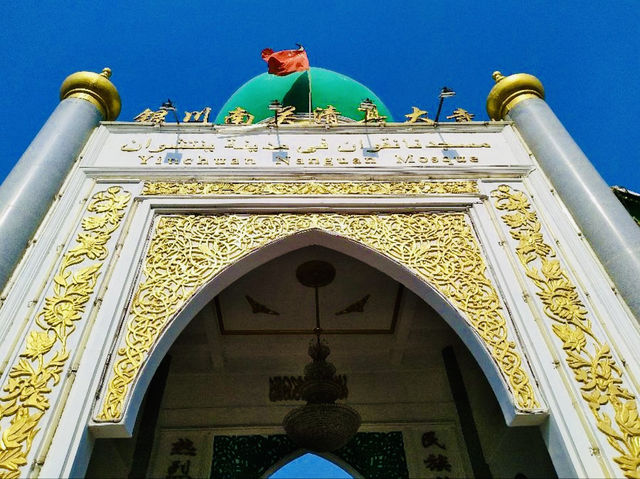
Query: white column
point(29, 190)
point(604, 222)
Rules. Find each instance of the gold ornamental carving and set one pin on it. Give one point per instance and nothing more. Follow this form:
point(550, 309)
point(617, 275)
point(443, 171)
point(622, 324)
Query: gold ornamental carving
point(311, 188)
point(187, 251)
point(613, 406)
point(38, 368)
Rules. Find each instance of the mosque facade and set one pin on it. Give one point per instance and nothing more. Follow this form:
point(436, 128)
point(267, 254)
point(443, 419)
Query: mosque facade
point(481, 311)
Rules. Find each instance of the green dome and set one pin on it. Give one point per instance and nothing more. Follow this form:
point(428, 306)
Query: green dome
point(328, 88)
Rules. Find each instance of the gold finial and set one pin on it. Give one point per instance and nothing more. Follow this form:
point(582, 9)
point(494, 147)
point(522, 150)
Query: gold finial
point(511, 90)
point(95, 88)
point(497, 76)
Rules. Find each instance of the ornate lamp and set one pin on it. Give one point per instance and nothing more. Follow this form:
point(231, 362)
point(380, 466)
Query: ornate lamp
point(321, 425)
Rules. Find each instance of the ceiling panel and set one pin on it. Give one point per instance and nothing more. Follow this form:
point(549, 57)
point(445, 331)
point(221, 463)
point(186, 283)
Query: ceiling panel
point(270, 300)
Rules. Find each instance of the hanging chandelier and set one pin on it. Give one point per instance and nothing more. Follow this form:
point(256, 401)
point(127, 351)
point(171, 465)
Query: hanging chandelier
point(321, 425)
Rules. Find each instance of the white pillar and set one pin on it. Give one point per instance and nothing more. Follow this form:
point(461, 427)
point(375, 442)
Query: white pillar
point(28, 191)
point(604, 222)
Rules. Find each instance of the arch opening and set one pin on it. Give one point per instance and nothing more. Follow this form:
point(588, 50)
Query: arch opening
point(396, 379)
point(362, 252)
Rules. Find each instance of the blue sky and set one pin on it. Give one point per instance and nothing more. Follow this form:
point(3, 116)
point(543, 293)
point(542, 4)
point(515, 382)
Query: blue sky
point(310, 466)
point(198, 52)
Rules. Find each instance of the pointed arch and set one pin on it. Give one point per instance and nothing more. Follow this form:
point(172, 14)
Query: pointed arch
point(322, 457)
point(191, 258)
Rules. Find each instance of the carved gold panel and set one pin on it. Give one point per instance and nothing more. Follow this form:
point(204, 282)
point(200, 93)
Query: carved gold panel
point(43, 357)
point(311, 188)
point(187, 251)
point(589, 357)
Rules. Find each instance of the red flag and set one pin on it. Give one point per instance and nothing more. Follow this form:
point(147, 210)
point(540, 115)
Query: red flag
point(285, 62)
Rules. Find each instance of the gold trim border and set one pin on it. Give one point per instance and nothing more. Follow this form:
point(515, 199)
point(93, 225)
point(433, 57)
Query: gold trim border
point(152, 188)
point(588, 357)
point(40, 365)
point(187, 251)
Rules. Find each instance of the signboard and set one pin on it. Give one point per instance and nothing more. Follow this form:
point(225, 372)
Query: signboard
point(326, 150)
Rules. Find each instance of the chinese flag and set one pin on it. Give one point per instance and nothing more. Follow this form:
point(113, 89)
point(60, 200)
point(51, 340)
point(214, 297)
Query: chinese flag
point(285, 62)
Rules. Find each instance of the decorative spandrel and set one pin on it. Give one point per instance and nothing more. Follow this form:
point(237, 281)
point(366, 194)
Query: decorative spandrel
point(187, 251)
point(600, 379)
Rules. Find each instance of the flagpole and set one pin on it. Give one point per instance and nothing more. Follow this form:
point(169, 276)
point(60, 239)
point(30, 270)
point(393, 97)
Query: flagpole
point(310, 102)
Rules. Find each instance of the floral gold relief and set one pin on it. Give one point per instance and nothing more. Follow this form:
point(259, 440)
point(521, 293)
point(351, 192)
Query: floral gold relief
point(312, 188)
point(187, 251)
point(601, 382)
point(38, 369)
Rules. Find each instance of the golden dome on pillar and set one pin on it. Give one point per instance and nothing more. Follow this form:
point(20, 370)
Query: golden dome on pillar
point(95, 88)
point(511, 90)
